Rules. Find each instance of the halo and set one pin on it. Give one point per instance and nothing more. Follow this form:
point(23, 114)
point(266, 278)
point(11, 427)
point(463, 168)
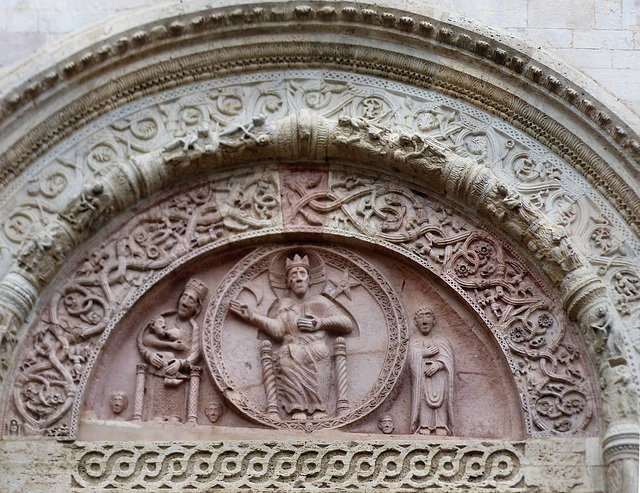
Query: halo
point(277, 276)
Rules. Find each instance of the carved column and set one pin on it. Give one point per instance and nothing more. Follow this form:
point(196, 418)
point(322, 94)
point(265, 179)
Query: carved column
point(269, 378)
point(620, 452)
point(141, 372)
point(340, 351)
point(602, 326)
point(17, 298)
point(194, 391)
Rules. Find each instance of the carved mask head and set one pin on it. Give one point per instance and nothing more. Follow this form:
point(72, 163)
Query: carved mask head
point(118, 402)
point(298, 280)
point(188, 304)
point(386, 424)
point(213, 411)
point(425, 319)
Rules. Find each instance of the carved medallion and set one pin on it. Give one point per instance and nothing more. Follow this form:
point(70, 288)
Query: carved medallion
point(305, 337)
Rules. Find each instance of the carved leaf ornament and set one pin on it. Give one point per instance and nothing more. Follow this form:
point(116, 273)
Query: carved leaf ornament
point(536, 338)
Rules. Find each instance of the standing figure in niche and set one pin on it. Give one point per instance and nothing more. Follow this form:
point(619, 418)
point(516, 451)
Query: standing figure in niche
point(170, 345)
point(301, 324)
point(431, 364)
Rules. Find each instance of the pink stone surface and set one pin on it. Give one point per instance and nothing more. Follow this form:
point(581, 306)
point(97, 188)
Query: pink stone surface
point(485, 403)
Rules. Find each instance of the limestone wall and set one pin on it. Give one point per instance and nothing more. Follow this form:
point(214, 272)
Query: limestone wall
point(599, 37)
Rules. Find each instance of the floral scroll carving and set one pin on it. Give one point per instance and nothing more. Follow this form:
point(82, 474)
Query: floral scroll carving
point(66, 340)
point(547, 361)
point(494, 279)
point(230, 115)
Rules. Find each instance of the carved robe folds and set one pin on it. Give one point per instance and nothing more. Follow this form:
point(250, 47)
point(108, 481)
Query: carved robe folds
point(431, 364)
point(302, 363)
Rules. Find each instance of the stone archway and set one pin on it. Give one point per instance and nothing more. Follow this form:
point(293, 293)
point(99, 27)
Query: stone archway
point(97, 315)
point(538, 197)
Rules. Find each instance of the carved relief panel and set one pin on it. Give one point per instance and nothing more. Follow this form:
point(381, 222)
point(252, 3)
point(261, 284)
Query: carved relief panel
point(160, 324)
point(302, 338)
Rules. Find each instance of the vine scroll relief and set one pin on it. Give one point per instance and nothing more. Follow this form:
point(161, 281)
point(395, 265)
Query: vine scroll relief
point(54, 365)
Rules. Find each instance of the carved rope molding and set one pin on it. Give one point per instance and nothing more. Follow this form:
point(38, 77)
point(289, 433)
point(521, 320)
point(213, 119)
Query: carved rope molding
point(308, 137)
point(244, 20)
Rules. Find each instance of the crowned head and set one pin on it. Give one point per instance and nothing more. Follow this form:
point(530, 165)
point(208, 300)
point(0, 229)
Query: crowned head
point(192, 298)
point(297, 271)
point(296, 261)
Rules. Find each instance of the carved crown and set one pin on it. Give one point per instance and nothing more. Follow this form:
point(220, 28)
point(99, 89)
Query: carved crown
point(198, 287)
point(423, 310)
point(297, 261)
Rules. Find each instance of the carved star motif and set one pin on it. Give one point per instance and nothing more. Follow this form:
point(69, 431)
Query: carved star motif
point(344, 285)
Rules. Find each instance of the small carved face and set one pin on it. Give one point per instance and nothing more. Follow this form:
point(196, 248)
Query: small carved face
point(426, 122)
point(298, 280)
point(159, 325)
point(386, 424)
point(213, 412)
point(187, 305)
point(118, 402)
point(425, 320)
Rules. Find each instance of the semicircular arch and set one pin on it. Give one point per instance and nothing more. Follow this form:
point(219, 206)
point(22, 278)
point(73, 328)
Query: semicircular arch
point(115, 269)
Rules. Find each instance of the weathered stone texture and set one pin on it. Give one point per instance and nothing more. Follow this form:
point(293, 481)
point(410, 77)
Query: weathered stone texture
point(608, 25)
point(252, 466)
point(311, 343)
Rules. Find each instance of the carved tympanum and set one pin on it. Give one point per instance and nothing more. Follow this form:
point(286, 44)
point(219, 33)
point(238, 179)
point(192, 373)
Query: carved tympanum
point(246, 355)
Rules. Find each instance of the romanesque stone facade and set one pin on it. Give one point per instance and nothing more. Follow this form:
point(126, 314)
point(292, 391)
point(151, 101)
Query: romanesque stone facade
point(234, 260)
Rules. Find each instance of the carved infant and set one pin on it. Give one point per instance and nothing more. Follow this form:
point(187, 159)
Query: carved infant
point(161, 338)
point(170, 345)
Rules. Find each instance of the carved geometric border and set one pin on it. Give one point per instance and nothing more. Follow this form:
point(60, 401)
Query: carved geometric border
point(302, 466)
